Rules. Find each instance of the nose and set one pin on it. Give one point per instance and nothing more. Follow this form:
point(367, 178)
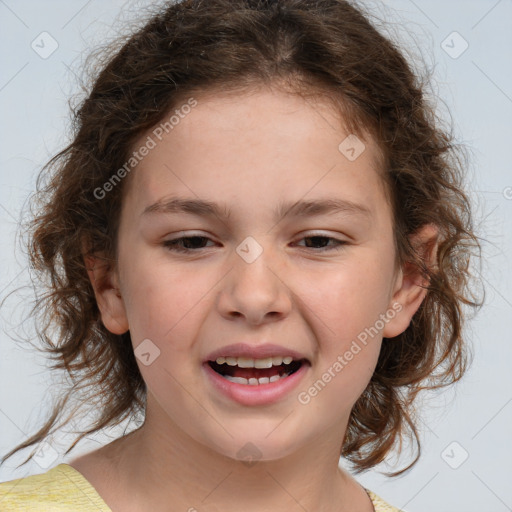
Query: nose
point(255, 291)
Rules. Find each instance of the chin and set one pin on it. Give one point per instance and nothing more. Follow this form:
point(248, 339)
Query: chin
point(256, 445)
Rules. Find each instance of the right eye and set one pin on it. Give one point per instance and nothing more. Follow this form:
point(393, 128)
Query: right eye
point(186, 244)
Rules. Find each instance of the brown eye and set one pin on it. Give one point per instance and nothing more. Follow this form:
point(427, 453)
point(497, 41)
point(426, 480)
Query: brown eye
point(321, 242)
point(186, 244)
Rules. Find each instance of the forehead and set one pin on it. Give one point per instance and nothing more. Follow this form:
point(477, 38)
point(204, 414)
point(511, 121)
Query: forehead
point(254, 145)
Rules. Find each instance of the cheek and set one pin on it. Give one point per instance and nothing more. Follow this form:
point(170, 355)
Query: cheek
point(349, 299)
point(156, 296)
point(345, 309)
point(164, 308)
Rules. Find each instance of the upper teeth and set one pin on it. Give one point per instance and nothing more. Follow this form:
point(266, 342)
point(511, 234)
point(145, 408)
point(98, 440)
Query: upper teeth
point(246, 362)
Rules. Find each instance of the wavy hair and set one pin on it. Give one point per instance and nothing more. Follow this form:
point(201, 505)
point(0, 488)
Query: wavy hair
point(320, 47)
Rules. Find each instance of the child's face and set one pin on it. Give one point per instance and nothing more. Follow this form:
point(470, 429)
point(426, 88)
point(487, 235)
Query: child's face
point(251, 154)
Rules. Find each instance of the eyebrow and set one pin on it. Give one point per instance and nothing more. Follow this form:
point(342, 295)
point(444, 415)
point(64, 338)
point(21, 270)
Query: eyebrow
point(299, 208)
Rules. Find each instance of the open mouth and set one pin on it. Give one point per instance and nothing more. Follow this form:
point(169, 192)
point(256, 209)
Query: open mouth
point(255, 372)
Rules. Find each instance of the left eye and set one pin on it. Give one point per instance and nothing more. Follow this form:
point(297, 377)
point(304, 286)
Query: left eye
point(319, 239)
point(188, 244)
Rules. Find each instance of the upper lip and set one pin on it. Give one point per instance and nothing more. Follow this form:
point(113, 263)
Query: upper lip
point(254, 351)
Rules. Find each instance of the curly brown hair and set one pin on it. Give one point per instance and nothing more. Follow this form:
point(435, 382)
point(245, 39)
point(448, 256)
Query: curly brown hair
point(323, 47)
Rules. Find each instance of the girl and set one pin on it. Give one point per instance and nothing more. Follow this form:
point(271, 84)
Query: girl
point(258, 244)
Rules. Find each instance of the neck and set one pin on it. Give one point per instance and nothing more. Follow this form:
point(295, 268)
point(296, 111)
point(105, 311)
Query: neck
point(160, 464)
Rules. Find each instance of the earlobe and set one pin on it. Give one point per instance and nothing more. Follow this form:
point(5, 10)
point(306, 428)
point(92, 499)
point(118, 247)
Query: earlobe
point(105, 284)
point(411, 283)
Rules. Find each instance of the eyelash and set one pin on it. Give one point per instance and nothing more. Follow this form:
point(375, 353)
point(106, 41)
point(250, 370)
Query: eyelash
point(172, 245)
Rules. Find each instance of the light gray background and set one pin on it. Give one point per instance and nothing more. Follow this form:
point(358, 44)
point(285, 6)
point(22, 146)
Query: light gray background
point(476, 87)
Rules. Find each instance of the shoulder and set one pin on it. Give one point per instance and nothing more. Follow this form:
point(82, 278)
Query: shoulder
point(60, 488)
point(380, 505)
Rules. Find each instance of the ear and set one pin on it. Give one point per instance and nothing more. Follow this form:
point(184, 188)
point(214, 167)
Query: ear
point(411, 285)
point(105, 283)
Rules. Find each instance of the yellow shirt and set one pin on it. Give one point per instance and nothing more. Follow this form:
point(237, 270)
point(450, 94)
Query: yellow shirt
point(64, 489)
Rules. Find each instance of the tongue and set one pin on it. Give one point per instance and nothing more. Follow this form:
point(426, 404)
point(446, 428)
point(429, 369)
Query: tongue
point(248, 373)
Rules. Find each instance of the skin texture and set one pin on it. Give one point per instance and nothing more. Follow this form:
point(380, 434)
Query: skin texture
point(250, 152)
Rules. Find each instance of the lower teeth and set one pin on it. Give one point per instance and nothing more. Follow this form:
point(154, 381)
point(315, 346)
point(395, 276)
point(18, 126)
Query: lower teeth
point(253, 381)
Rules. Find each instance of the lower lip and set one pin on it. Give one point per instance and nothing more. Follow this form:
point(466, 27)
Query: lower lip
point(260, 394)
